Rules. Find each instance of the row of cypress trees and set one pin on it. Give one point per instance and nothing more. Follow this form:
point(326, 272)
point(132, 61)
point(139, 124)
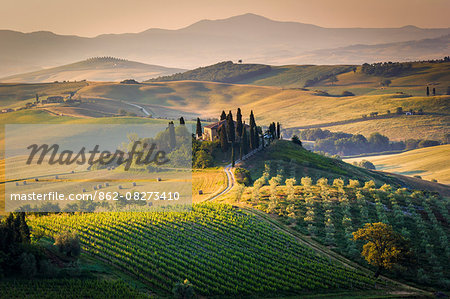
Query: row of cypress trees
point(235, 135)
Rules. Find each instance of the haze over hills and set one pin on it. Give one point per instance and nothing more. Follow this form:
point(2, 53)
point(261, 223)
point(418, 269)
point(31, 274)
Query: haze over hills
point(94, 69)
point(249, 37)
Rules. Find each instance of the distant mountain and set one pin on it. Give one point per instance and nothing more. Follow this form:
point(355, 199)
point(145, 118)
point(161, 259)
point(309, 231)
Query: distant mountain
point(425, 49)
point(225, 72)
point(249, 37)
point(95, 69)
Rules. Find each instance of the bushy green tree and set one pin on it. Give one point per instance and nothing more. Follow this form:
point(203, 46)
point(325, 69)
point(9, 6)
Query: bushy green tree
point(183, 290)
point(68, 243)
point(384, 247)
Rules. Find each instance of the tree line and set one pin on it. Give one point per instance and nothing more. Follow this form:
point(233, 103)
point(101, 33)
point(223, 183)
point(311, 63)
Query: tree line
point(349, 144)
point(21, 257)
point(386, 69)
point(226, 72)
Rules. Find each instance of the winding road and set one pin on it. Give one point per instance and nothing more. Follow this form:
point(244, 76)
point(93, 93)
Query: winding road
point(230, 182)
point(137, 106)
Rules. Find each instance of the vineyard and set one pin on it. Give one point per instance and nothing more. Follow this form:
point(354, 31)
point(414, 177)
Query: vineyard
point(67, 289)
point(330, 211)
point(220, 249)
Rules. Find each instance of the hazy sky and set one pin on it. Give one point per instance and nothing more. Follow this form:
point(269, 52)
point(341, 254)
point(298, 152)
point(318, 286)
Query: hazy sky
point(93, 17)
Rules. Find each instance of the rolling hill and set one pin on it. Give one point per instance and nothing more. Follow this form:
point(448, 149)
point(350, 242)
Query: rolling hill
point(428, 163)
point(298, 162)
point(94, 69)
point(294, 107)
point(249, 37)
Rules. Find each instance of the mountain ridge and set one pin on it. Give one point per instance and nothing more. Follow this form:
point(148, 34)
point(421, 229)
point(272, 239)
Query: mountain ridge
point(94, 69)
point(249, 37)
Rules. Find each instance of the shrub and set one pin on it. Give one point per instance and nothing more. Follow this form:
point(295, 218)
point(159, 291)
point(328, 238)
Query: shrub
point(183, 290)
point(242, 176)
point(296, 140)
point(347, 93)
point(428, 143)
point(28, 264)
point(353, 183)
point(68, 243)
point(366, 164)
point(203, 159)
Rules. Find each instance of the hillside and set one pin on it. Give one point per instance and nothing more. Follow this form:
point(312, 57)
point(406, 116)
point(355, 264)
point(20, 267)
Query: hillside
point(328, 211)
point(249, 37)
point(221, 250)
point(94, 69)
point(428, 163)
point(291, 107)
point(290, 160)
point(225, 72)
point(16, 95)
point(411, 81)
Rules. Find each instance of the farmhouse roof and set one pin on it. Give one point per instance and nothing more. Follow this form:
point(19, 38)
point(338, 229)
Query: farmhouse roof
point(218, 124)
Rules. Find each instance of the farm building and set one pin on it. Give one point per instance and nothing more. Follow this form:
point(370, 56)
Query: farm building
point(211, 132)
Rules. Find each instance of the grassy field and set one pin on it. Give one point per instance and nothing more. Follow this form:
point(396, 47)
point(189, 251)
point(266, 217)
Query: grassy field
point(411, 82)
point(12, 94)
point(210, 181)
point(433, 127)
point(280, 99)
point(429, 163)
point(292, 107)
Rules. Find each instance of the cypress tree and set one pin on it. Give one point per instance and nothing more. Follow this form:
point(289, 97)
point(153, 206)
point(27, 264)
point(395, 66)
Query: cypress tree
point(252, 138)
point(230, 127)
point(182, 121)
point(223, 116)
point(199, 128)
point(239, 122)
point(434, 91)
point(428, 91)
point(241, 149)
point(16, 229)
point(245, 142)
point(278, 130)
point(258, 130)
point(24, 229)
point(223, 138)
point(172, 139)
point(272, 130)
point(252, 119)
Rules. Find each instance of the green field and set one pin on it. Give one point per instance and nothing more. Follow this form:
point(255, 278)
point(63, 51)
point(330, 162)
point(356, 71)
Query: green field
point(220, 249)
point(67, 288)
